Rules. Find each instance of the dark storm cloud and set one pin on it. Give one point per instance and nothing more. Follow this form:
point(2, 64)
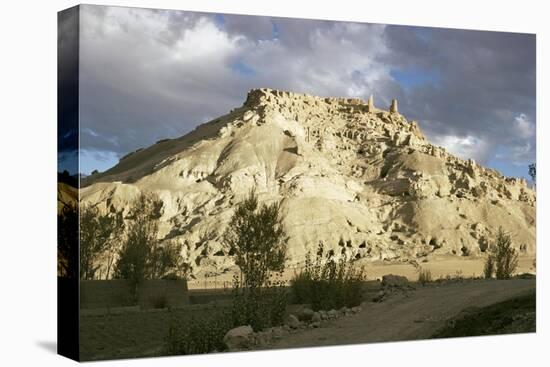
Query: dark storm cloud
point(486, 89)
point(148, 75)
point(67, 90)
point(67, 72)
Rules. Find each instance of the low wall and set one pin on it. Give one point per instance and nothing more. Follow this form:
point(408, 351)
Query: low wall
point(153, 293)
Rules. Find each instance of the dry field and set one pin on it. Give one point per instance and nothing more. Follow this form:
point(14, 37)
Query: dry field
point(439, 267)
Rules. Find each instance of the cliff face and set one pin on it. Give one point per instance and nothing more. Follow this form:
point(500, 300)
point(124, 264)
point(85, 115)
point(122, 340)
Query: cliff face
point(340, 168)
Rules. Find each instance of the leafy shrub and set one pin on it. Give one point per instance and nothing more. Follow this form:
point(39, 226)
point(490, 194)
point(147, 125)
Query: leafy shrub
point(98, 235)
point(260, 307)
point(503, 258)
point(326, 283)
point(424, 276)
point(257, 239)
point(67, 243)
point(198, 335)
point(136, 254)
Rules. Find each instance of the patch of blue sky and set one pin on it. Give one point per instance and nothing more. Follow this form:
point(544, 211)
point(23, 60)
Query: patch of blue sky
point(423, 33)
point(412, 78)
point(219, 19)
point(96, 160)
point(501, 162)
point(241, 68)
point(275, 30)
point(67, 161)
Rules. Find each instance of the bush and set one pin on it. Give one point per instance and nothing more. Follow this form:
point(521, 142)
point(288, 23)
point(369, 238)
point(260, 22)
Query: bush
point(260, 307)
point(327, 283)
point(257, 239)
point(198, 335)
point(424, 276)
point(503, 258)
point(136, 256)
point(67, 242)
point(98, 235)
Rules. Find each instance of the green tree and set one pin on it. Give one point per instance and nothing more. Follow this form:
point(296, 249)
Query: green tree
point(134, 257)
point(166, 262)
point(98, 233)
point(257, 238)
point(503, 258)
point(533, 172)
point(67, 242)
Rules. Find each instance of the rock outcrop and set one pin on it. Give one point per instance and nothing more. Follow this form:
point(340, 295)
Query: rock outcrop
point(340, 169)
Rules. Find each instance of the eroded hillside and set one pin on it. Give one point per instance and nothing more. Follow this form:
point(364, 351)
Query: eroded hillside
point(340, 169)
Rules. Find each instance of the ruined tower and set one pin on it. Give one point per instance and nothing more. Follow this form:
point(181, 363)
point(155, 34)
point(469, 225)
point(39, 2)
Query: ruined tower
point(393, 107)
point(370, 104)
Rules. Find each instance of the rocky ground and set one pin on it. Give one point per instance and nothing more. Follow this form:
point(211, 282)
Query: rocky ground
point(410, 315)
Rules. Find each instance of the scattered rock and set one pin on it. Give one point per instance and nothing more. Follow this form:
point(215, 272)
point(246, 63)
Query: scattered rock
point(316, 317)
point(277, 332)
point(306, 314)
point(395, 281)
point(238, 338)
point(293, 322)
point(332, 314)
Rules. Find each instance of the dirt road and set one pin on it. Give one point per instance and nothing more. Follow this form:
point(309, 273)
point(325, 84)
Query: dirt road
point(416, 315)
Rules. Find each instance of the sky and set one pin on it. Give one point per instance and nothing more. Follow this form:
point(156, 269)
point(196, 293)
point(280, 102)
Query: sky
point(147, 75)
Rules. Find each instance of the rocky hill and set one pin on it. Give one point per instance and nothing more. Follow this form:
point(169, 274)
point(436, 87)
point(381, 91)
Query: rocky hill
point(340, 169)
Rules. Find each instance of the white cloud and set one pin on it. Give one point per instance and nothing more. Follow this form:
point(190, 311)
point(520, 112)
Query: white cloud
point(465, 147)
point(523, 126)
point(518, 155)
point(205, 43)
point(147, 75)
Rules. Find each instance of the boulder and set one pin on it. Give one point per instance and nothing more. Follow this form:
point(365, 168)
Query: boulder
point(316, 324)
point(293, 322)
point(306, 314)
point(239, 338)
point(394, 281)
point(332, 314)
point(277, 332)
point(316, 317)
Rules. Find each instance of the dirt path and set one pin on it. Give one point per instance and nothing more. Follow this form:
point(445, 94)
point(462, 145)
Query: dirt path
point(407, 317)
